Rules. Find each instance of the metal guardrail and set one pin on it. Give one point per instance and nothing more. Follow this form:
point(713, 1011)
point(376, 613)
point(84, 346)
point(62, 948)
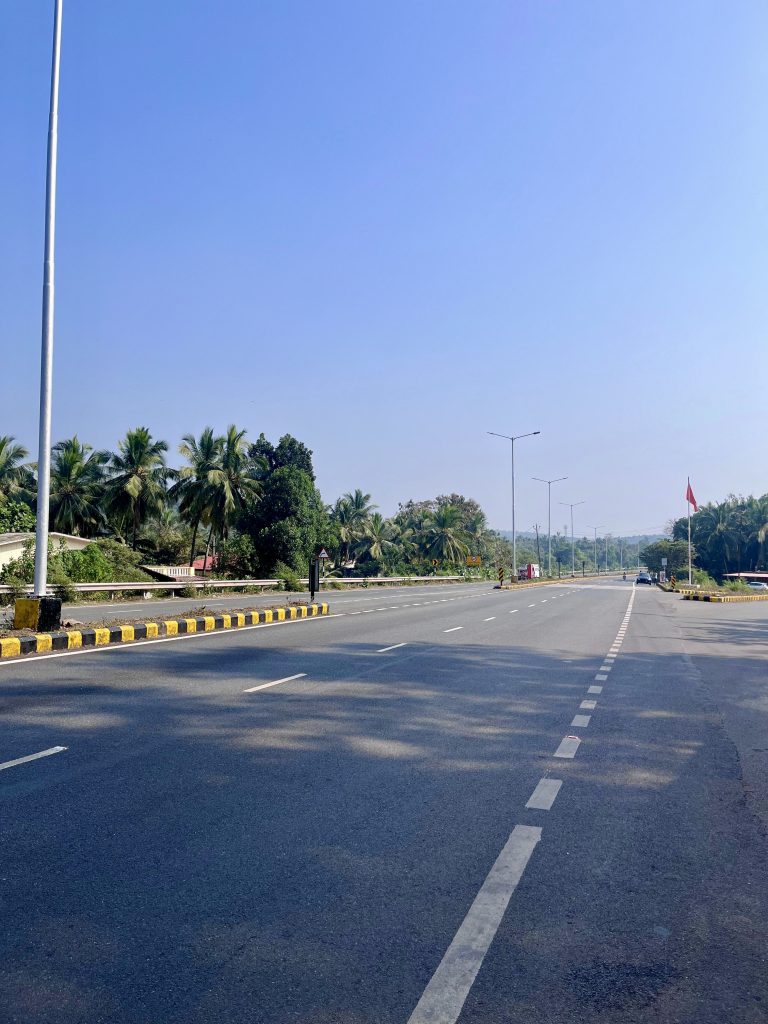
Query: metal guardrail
point(360, 581)
point(203, 584)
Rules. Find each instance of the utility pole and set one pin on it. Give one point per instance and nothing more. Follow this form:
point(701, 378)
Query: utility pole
point(572, 505)
point(549, 516)
point(597, 567)
point(46, 354)
point(513, 438)
point(538, 549)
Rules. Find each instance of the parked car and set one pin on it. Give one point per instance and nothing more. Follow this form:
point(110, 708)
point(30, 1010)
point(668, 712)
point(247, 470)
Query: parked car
point(757, 585)
point(644, 577)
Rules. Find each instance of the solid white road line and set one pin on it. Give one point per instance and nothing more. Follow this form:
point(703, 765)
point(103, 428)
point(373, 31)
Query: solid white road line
point(594, 689)
point(394, 647)
point(568, 747)
point(588, 705)
point(449, 986)
point(31, 659)
point(31, 757)
point(266, 686)
point(543, 796)
point(453, 629)
point(581, 721)
point(490, 618)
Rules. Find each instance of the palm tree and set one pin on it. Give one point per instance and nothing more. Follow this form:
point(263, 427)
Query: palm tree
point(378, 537)
point(360, 507)
point(443, 536)
point(139, 474)
point(342, 514)
point(234, 482)
point(16, 480)
point(194, 489)
point(77, 487)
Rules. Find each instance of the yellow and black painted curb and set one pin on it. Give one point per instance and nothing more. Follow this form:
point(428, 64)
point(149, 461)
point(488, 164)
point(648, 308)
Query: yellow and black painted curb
point(723, 598)
point(71, 639)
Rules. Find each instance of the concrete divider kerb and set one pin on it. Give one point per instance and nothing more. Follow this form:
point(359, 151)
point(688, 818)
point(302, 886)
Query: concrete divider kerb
point(72, 639)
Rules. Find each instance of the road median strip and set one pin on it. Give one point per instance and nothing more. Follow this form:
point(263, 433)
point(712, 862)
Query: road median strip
point(72, 639)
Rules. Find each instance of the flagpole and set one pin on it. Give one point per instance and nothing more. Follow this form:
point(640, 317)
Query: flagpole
point(690, 572)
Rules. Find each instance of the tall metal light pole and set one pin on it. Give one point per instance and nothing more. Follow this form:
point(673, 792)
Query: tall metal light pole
point(549, 516)
point(46, 356)
point(596, 528)
point(572, 505)
point(513, 438)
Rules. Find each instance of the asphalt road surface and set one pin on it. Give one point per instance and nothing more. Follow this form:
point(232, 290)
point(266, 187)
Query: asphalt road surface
point(474, 806)
point(356, 596)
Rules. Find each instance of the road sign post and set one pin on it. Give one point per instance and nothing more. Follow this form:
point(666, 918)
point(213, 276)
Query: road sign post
point(500, 574)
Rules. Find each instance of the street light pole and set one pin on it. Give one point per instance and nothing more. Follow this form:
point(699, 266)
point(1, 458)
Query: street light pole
point(595, 528)
point(513, 438)
point(572, 505)
point(549, 516)
point(46, 356)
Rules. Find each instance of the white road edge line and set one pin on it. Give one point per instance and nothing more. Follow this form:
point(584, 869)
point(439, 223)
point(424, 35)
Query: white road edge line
point(266, 686)
point(383, 650)
point(33, 659)
point(31, 757)
point(449, 986)
point(542, 798)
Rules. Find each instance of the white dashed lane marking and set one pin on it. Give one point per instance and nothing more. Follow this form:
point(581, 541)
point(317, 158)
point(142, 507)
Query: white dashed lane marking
point(543, 796)
point(568, 747)
point(383, 650)
point(31, 757)
point(277, 682)
point(453, 629)
point(580, 721)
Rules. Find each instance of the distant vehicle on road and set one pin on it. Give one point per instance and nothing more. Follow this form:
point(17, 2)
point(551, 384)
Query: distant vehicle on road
point(531, 571)
point(644, 577)
point(757, 585)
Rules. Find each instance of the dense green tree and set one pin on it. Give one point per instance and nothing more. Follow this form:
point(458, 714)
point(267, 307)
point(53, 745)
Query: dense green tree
point(288, 523)
point(137, 485)
point(675, 551)
point(289, 452)
point(16, 517)
point(729, 536)
point(77, 488)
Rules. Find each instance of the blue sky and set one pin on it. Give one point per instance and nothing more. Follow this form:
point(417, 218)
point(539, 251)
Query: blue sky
point(389, 228)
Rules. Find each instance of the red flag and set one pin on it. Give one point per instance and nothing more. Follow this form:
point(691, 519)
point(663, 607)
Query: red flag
point(689, 496)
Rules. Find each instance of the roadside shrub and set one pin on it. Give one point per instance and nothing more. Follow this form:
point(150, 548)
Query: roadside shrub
point(187, 592)
point(289, 577)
